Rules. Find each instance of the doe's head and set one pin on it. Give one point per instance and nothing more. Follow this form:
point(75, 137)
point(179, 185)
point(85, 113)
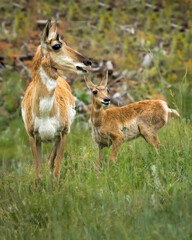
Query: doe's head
point(99, 92)
point(62, 56)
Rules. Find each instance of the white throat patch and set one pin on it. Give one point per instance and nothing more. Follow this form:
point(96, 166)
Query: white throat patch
point(50, 83)
point(97, 110)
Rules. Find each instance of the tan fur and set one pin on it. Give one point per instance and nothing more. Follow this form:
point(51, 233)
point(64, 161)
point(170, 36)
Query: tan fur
point(116, 125)
point(48, 104)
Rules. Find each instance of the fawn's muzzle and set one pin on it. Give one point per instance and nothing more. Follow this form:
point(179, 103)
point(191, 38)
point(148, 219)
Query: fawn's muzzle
point(106, 101)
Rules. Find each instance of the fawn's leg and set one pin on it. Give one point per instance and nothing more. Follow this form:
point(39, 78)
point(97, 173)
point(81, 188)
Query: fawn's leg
point(36, 151)
point(100, 161)
point(60, 152)
point(150, 135)
point(117, 140)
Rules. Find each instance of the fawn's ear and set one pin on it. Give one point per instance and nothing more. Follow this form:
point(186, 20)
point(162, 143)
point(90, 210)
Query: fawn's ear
point(49, 32)
point(90, 85)
point(104, 80)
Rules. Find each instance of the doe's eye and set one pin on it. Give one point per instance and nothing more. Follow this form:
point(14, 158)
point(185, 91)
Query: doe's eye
point(56, 46)
point(95, 92)
point(108, 90)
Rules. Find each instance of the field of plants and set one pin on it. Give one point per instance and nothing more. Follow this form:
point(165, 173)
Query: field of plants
point(146, 45)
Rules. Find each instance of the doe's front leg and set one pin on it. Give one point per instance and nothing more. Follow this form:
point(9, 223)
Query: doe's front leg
point(59, 155)
point(52, 156)
point(36, 151)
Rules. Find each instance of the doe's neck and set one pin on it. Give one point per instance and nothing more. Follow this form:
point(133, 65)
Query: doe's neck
point(44, 75)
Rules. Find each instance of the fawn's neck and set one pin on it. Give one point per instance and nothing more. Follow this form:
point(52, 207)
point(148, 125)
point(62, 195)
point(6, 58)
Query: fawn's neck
point(96, 114)
point(45, 78)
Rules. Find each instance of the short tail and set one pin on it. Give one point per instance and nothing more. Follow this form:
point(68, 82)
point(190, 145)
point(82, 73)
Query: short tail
point(174, 112)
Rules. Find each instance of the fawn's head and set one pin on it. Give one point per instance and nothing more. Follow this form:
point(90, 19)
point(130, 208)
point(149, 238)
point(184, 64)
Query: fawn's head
point(62, 56)
point(99, 92)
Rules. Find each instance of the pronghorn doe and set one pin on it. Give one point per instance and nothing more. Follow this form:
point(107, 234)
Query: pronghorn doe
point(48, 107)
point(116, 125)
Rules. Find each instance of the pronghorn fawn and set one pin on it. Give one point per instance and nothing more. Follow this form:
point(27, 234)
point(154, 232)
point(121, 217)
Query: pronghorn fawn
point(48, 107)
point(118, 124)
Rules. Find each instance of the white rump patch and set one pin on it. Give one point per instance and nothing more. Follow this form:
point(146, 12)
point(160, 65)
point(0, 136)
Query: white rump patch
point(50, 83)
point(164, 104)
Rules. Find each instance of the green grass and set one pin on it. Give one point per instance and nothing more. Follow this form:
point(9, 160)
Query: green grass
point(144, 196)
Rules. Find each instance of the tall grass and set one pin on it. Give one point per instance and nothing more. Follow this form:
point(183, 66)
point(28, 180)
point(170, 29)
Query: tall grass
point(144, 196)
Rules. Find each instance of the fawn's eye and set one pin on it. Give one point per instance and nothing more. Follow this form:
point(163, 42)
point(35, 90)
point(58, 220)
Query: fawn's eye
point(95, 92)
point(56, 46)
point(108, 90)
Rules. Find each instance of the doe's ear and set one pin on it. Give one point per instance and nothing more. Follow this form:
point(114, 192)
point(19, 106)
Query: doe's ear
point(45, 33)
point(90, 85)
point(104, 80)
point(49, 32)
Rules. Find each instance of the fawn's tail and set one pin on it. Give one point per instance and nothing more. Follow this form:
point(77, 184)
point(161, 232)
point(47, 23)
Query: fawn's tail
point(174, 112)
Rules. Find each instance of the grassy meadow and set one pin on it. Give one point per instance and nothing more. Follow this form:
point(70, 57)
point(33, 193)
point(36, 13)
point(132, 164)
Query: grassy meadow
point(145, 195)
